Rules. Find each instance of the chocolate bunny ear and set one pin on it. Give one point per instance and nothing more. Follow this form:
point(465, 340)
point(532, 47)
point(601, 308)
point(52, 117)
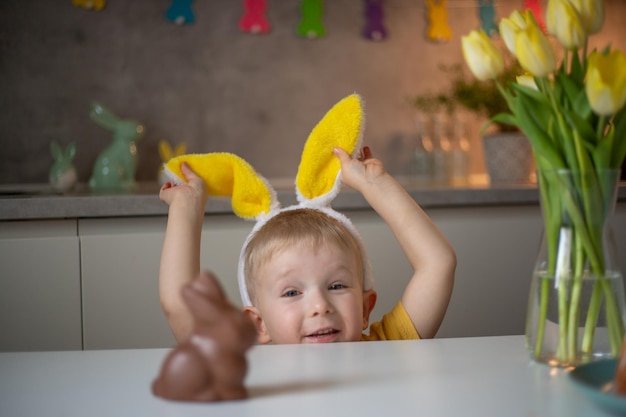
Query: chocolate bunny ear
point(228, 175)
point(318, 181)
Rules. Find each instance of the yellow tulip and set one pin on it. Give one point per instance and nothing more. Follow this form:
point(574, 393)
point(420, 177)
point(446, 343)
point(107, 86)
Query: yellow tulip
point(533, 49)
point(481, 55)
point(591, 13)
point(606, 82)
point(509, 27)
point(527, 80)
point(565, 23)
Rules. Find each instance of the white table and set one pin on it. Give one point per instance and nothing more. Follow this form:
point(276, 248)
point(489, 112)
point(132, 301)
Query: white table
point(488, 376)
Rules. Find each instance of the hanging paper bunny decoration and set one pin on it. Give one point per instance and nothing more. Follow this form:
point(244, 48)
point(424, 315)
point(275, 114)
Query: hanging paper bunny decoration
point(439, 30)
point(535, 7)
point(487, 15)
point(311, 25)
point(254, 20)
point(95, 5)
point(180, 12)
point(374, 27)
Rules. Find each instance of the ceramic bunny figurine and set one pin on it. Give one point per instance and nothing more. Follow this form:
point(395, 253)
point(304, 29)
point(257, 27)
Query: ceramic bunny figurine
point(114, 169)
point(211, 365)
point(62, 173)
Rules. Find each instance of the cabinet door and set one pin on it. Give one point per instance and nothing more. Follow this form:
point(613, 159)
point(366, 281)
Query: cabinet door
point(120, 270)
point(39, 286)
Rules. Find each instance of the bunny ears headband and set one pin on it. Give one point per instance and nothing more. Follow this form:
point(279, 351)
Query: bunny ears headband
point(318, 180)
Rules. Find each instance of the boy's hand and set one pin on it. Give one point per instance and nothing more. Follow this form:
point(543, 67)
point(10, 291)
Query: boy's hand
point(359, 172)
point(192, 193)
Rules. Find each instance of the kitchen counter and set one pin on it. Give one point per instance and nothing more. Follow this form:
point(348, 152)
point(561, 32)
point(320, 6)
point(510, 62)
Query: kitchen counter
point(39, 202)
point(485, 376)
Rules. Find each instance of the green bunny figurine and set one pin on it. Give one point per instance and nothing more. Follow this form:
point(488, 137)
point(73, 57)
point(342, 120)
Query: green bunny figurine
point(62, 173)
point(114, 169)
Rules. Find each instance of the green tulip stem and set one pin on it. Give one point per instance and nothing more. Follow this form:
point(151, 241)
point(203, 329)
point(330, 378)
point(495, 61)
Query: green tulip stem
point(543, 314)
point(601, 126)
point(574, 312)
point(561, 353)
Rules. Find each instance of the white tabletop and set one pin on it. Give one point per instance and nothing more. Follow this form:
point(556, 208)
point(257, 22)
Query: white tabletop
point(488, 376)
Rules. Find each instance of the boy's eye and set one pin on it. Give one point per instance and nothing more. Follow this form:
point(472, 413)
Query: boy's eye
point(337, 287)
point(291, 293)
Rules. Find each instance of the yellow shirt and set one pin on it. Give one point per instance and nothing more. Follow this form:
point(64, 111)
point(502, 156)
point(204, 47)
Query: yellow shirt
point(395, 325)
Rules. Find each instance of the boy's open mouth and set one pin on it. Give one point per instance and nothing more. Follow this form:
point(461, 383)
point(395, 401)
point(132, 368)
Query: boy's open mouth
point(323, 335)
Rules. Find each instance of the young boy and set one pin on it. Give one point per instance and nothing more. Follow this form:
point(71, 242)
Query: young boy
point(304, 269)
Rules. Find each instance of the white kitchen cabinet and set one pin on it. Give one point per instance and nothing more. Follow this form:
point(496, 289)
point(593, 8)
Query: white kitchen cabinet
point(120, 267)
point(40, 305)
point(119, 271)
point(47, 268)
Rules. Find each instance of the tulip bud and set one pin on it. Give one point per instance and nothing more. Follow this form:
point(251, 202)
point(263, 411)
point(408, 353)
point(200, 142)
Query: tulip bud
point(509, 27)
point(482, 56)
point(533, 49)
point(605, 83)
point(591, 13)
point(527, 80)
point(565, 23)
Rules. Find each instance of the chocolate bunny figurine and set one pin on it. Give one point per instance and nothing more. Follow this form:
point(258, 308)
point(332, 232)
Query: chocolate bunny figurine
point(211, 365)
point(114, 169)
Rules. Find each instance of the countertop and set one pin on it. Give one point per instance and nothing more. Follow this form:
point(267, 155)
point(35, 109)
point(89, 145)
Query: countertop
point(38, 201)
point(484, 376)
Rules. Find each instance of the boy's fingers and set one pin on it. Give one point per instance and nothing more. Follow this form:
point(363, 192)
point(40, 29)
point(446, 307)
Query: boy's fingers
point(189, 174)
point(341, 154)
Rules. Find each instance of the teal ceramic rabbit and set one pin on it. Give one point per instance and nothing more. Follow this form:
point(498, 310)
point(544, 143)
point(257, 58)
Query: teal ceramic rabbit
point(114, 169)
point(62, 173)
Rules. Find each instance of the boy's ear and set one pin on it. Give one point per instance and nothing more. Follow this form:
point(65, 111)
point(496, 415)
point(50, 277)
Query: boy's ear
point(263, 336)
point(369, 302)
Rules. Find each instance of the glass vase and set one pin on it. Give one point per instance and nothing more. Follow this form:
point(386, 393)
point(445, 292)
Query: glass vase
point(576, 309)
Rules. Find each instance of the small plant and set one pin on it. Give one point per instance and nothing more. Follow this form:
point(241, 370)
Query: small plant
point(480, 97)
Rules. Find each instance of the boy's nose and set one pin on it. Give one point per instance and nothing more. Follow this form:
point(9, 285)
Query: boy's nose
point(320, 305)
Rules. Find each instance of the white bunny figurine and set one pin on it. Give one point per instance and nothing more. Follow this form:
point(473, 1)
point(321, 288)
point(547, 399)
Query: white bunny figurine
point(114, 169)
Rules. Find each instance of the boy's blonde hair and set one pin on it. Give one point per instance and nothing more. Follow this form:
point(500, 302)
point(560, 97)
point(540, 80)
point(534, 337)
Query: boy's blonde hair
point(302, 226)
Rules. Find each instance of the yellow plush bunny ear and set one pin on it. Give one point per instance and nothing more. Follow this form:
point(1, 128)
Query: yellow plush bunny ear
point(341, 127)
point(226, 174)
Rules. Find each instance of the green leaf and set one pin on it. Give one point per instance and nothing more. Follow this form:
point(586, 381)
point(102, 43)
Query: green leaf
point(581, 106)
point(576, 68)
point(540, 141)
point(536, 95)
point(582, 126)
point(619, 147)
point(602, 152)
point(571, 88)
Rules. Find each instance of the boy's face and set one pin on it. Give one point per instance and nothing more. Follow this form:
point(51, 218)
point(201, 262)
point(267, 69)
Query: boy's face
point(309, 295)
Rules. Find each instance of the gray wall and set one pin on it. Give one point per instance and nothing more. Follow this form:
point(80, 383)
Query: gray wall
point(213, 86)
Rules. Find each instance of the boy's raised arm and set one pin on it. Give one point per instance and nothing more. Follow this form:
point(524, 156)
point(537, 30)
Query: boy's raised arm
point(180, 258)
point(428, 292)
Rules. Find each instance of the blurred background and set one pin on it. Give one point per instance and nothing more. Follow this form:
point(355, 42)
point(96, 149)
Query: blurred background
point(217, 88)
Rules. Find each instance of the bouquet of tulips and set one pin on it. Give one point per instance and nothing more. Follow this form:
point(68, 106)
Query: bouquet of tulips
point(573, 113)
